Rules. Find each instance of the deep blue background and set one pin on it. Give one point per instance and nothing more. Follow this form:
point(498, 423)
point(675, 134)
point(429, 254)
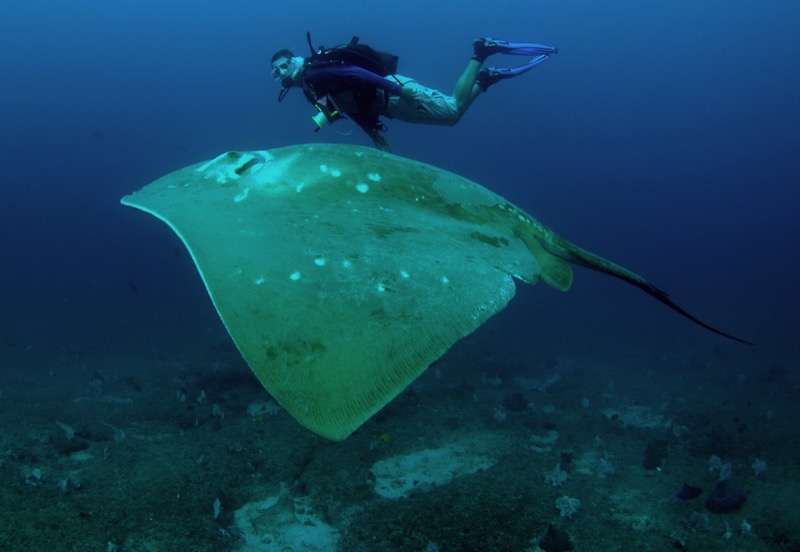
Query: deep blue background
point(664, 135)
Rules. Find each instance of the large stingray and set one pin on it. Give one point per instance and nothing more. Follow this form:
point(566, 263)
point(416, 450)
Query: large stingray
point(342, 272)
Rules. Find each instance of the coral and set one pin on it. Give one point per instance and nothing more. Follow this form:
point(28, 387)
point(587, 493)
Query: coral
point(556, 477)
point(568, 506)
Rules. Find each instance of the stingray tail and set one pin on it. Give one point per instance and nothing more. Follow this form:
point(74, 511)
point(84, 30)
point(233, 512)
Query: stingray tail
point(577, 255)
point(662, 296)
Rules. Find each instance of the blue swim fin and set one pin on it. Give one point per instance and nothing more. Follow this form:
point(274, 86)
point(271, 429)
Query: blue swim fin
point(490, 75)
point(484, 47)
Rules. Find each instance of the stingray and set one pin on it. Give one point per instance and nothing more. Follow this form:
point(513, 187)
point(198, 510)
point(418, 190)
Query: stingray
point(341, 272)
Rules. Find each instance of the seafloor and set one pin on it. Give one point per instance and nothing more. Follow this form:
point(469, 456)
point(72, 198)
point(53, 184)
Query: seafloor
point(108, 446)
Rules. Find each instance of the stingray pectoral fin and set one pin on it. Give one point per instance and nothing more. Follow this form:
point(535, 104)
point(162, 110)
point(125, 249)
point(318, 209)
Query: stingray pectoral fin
point(340, 272)
point(566, 250)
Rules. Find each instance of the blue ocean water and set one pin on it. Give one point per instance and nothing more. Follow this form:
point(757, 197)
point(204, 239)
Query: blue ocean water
point(663, 136)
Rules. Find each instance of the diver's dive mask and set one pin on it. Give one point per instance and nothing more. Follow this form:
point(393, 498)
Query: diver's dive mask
point(285, 72)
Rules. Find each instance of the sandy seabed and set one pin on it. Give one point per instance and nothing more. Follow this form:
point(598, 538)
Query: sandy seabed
point(131, 450)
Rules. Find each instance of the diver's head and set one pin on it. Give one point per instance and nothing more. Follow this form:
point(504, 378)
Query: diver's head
point(285, 67)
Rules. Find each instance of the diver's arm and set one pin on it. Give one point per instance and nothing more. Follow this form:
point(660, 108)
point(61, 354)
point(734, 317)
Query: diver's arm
point(351, 75)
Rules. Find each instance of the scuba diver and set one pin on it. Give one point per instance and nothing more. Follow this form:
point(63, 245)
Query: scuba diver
point(362, 83)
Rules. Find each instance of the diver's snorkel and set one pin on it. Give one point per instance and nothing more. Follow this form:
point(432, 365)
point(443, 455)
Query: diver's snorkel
point(286, 85)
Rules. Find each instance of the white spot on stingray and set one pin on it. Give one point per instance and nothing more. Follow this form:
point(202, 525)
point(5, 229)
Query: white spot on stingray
point(299, 187)
point(260, 280)
point(363, 188)
point(336, 173)
point(404, 274)
point(294, 276)
point(320, 261)
point(323, 168)
point(375, 177)
point(241, 196)
point(359, 154)
point(381, 288)
point(445, 280)
point(346, 264)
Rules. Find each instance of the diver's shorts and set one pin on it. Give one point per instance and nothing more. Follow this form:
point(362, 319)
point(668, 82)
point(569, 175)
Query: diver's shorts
point(425, 105)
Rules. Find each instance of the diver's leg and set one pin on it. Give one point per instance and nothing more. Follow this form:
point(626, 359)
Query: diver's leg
point(485, 47)
point(466, 89)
